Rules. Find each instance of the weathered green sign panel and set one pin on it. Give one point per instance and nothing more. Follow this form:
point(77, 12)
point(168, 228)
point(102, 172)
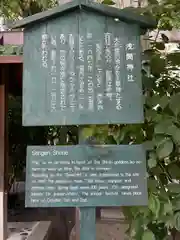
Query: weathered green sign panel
point(65, 176)
point(82, 68)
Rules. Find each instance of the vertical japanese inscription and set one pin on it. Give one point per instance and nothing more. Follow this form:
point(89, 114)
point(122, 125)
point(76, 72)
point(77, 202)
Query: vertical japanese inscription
point(44, 50)
point(130, 47)
point(108, 59)
point(53, 74)
point(87, 74)
point(99, 76)
point(117, 68)
point(81, 74)
point(90, 70)
point(72, 74)
point(62, 72)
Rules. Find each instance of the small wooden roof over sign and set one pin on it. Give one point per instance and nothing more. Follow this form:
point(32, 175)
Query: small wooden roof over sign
point(127, 15)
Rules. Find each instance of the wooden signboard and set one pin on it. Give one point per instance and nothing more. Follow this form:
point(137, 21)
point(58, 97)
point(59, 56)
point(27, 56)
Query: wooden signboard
point(84, 176)
point(82, 67)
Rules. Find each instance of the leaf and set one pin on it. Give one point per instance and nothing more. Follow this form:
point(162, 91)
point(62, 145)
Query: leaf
point(174, 58)
point(157, 139)
point(148, 145)
point(164, 101)
point(154, 204)
point(122, 134)
point(169, 221)
point(147, 81)
point(108, 2)
point(176, 204)
point(174, 187)
point(136, 228)
point(167, 127)
point(144, 210)
point(168, 208)
point(153, 1)
point(163, 195)
point(110, 140)
point(174, 170)
point(154, 100)
point(157, 170)
point(87, 132)
point(163, 126)
point(157, 65)
point(174, 104)
point(165, 148)
point(149, 53)
point(152, 161)
point(152, 184)
point(177, 221)
point(148, 235)
point(175, 133)
point(163, 178)
point(150, 115)
point(160, 45)
point(14, 4)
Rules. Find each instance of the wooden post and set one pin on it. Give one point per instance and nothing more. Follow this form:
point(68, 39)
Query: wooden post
point(3, 139)
point(86, 223)
point(86, 216)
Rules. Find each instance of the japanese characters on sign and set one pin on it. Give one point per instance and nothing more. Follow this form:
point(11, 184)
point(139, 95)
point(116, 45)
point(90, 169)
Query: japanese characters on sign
point(90, 81)
point(108, 59)
point(81, 86)
point(53, 75)
point(99, 77)
point(89, 77)
point(44, 50)
point(62, 74)
point(117, 60)
point(130, 57)
point(72, 74)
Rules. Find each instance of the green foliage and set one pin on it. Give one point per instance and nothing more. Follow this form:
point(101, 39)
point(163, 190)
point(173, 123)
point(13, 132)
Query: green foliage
point(148, 235)
point(19, 138)
point(166, 12)
point(13, 9)
point(11, 50)
point(160, 132)
point(161, 135)
point(108, 2)
point(164, 148)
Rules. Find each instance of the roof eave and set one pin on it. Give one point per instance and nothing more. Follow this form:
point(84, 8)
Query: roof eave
point(70, 6)
point(126, 15)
